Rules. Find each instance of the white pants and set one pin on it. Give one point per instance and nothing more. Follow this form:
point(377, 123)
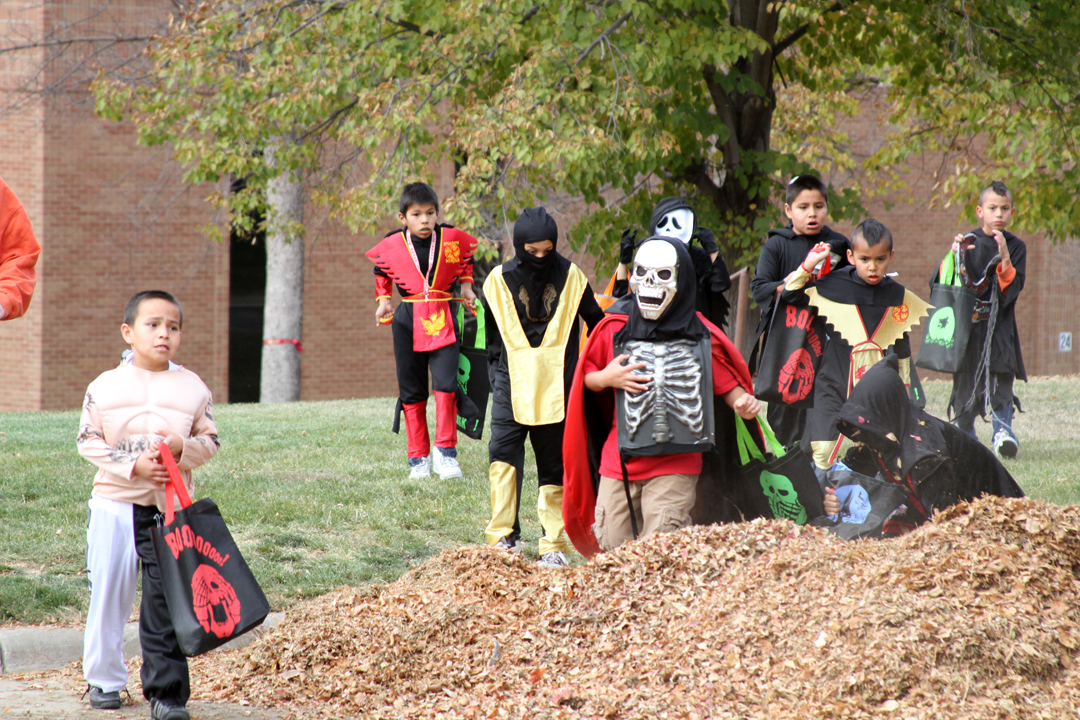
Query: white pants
point(112, 566)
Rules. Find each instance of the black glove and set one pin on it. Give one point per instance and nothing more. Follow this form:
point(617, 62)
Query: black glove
point(627, 247)
point(705, 237)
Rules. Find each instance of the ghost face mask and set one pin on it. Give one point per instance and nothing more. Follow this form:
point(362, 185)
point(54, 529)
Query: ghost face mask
point(654, 277)
point(678, 224)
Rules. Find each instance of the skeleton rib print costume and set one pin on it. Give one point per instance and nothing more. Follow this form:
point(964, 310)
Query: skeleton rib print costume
point(657, 324)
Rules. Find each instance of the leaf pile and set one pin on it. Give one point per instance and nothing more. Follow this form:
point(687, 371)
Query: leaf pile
point(973, 615)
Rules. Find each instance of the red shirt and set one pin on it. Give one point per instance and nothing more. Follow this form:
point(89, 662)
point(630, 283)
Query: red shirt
point(19, 252)
point(600, 353)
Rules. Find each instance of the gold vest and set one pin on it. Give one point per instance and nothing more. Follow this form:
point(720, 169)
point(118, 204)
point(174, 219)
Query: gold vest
point(536, 374)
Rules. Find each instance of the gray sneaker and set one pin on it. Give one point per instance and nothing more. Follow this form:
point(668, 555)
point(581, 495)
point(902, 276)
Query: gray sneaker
point(554, 559)
point(167, 710)
point(1005, 445)
point(447, 467)
point(505, 544)
point(101, 700)
point(419, 468)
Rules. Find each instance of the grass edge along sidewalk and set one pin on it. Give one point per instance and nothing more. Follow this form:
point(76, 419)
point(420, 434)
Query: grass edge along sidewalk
point(317, 495)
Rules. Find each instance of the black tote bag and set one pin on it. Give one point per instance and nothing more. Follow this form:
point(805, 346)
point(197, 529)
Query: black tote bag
point(865, 504)
point(775, 484)
point(946, 331)
point(211, 593)
point(473, 383)
point(791, 357)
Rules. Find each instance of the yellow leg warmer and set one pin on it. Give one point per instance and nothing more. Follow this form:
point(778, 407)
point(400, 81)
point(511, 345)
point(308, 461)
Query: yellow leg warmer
point(503, 479)
point(822, 449)
point(549, 510)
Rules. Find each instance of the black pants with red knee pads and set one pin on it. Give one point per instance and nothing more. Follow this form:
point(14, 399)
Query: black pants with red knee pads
point(412, 376)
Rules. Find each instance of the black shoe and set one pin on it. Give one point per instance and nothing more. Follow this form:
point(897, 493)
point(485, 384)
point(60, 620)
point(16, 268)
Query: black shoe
point(101, 700)
point(161, 709)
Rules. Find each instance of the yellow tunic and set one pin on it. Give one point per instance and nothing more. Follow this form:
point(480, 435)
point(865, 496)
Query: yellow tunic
point(536, 374)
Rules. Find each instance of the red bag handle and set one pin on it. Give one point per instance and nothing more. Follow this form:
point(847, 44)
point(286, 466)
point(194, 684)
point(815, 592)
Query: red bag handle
point(175, 484)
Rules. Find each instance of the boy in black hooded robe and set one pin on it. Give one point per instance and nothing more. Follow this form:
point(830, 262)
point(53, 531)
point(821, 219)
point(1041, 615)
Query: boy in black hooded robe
point(994, 263)
point(675, 218)
point(938, 464)
point(534, 300)
point(807, 206)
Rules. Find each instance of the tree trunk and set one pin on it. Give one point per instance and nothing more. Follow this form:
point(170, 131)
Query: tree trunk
point(283, 316)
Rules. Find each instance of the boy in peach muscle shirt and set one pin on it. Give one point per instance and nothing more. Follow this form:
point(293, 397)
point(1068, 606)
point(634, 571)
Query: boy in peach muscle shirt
point(127, 413)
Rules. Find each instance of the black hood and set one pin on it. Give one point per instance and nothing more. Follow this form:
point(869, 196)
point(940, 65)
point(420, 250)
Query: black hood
point(879, 414)
point(535, 283)
point(670, 204)
point(680, 319)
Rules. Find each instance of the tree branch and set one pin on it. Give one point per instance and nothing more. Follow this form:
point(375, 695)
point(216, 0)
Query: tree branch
point(794, 36)
point(74, 41)
point(603, 36)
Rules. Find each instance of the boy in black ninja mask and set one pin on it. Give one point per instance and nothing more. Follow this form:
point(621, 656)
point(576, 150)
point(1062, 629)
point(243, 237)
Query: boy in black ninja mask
point(535, 300)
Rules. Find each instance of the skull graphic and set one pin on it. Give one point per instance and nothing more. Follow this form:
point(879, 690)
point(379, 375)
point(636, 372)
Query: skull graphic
point(654, 277)
point(783, 500)
point(215, 603)
point(797, 377)
point(942, 327)
point(678, 224)
point(464, 370)
point(854, 503)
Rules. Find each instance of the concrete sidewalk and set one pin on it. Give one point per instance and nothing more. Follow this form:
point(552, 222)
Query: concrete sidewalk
point(35, 649)
point(48, 688)
point(56, 697)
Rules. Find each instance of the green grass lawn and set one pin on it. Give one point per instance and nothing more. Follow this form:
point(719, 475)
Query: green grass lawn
point(317, 495)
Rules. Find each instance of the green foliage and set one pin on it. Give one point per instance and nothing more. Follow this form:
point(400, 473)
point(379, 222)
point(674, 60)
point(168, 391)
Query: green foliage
point(618, 103)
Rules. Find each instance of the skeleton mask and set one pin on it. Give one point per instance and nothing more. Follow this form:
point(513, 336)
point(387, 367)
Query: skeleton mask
point(654, 277)
point(678, 224)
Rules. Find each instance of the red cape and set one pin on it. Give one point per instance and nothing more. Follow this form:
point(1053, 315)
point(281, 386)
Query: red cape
point(579, 495)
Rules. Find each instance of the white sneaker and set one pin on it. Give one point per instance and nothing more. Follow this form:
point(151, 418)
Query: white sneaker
point(505, 544)
point(1005, 445)
point(419, 468)
point(556, 559)
point(446, 466)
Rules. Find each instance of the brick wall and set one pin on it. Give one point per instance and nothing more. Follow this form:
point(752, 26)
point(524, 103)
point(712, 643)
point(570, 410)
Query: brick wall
point(112, 218)
point(1050, 301)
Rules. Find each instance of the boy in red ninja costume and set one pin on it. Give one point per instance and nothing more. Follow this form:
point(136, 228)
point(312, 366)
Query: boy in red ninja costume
point(424, 259)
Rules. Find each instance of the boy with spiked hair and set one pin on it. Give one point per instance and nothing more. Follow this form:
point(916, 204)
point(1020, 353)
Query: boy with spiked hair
point(869, 314)
point(994, 263)
point(424, 259)
point(128, 412)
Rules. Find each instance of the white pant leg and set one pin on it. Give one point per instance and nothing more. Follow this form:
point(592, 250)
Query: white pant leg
point(112, 566)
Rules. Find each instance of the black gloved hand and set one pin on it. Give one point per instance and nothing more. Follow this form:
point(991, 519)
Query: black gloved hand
point(707, 240)
point(627, 247)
